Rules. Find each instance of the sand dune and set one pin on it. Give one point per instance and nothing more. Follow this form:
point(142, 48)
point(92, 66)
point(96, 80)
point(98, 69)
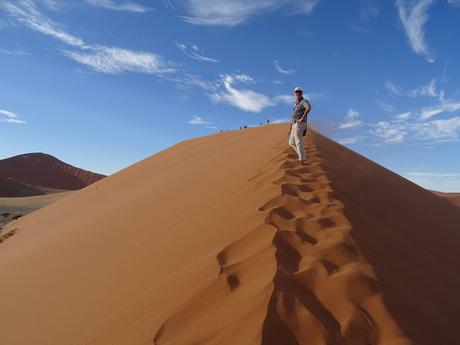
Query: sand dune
point(39, 173)
point(452, 197)
point(226, 239)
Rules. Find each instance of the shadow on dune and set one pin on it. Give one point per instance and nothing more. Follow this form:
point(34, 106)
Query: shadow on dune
point(410, 236)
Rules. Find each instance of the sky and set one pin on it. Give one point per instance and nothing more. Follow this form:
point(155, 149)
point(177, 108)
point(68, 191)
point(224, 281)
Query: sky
point(102, 84)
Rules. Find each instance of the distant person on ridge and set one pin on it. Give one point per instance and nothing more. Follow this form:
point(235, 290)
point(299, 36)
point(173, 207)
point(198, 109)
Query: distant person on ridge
point(299, 123)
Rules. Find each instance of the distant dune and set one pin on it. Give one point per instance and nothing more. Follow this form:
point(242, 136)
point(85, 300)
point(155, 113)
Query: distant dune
point(227, 240)
point(39, 173)
point(452, 197)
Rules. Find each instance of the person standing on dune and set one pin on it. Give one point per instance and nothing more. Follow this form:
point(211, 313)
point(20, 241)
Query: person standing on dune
point(299, 123)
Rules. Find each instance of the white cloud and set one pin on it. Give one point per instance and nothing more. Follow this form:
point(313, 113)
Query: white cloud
point(10, 117)
point(196, 120)
point(27, 13)
point(442, 107)
point(438, 181)
point(351, 120)
point(400, 129)
point(386, 107)
point(8, 114)
point(111, 60)
point(127, 6)
point(234, 12)
point(414, 16)
point(243, 99)
point(194, 52)
point(389, 132)
point(404, 116)
point(350, 140)
point(286, 71)
point(427, 90)
point(117, 60)
point(392, 88)
point(18, 121)
point(438, 130)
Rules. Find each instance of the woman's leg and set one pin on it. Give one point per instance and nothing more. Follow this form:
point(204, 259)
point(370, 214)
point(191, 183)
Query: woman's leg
point(292, 141)
point(299, 141)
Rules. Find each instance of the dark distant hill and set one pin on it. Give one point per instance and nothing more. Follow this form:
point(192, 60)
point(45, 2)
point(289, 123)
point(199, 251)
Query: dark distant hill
point(40, 173)
point(452, 197)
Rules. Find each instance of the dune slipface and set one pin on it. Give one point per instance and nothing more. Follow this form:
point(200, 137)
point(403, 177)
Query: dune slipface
point(226, 239)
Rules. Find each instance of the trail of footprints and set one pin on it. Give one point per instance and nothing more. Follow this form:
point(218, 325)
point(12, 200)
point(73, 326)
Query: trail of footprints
point(324, 291)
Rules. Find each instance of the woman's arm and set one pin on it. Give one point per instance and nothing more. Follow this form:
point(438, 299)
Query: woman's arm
point(305, 114)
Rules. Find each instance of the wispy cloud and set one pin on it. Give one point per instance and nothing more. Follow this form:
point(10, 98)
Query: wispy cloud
point(27, 13)
point(414, 16)
point(196, 120)
point(392, 88)
point(443, 107)
point(405, 126)
point(351, 120)
point(386, 107)
point(427, 90)
point(117, 60)
point(16, 52)
point(404, 116)
point(350, 140)
point(438, 181)
point(286, 71)
point(127, 6)
point(389, 132)
point(242, 98)
point(10, 117)
point(454, 2)
point(234, 12)
point(100, 58)
point(194, 52)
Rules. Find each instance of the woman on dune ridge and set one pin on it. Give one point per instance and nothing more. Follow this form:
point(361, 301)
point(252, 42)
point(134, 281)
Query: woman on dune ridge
point(299, 124)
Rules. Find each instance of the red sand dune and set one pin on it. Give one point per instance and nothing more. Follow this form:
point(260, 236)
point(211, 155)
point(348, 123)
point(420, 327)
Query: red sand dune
point(12, 188)
point(37, 173)
point(452, 197)
point(226, 239)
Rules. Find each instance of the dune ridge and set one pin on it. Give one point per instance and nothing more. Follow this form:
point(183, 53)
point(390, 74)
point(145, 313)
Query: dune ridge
point(224, 239)
point(323, 289)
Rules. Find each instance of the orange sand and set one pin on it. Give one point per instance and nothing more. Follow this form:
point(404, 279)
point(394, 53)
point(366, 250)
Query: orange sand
point(227, 240)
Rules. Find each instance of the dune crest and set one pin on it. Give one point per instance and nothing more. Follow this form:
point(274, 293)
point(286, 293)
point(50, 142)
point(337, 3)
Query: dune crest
point(226, 239)
point(323, 289)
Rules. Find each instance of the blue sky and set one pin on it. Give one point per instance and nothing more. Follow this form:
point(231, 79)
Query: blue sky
point(102, 84)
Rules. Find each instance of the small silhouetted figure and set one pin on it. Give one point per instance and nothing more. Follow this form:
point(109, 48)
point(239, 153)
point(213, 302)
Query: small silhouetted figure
point(260, 123)
point(268, 121)
point(245, 126)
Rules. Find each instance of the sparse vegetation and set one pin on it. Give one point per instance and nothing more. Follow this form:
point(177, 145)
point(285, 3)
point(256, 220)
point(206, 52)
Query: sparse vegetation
point(6, 214)
point(7, 235)
point(17, 216)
